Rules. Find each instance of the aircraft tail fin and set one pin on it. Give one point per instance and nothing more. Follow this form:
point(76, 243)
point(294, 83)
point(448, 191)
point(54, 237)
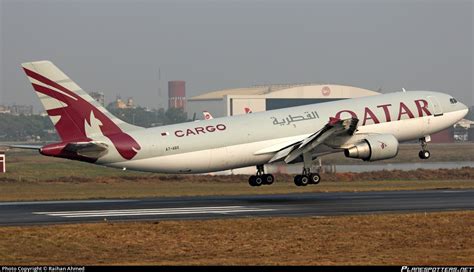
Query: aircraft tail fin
point(76, 116)
point(207, 115)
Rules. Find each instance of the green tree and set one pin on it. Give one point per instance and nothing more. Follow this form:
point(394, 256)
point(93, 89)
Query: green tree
point(22, 128)
point(149, 118)
point(175, 116)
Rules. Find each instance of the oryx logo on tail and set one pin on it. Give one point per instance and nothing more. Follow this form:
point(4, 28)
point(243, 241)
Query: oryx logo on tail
point(75, 118)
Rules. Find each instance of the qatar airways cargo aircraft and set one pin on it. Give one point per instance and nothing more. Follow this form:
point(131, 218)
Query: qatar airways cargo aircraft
point(367, 128)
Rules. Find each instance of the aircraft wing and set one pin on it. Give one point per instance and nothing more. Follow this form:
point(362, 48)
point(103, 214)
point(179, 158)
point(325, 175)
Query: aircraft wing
point(333, 128)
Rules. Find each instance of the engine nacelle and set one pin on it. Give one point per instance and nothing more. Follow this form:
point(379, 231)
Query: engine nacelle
point(374, 147)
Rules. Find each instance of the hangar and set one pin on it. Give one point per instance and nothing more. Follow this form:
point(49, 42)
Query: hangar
point(269, 97)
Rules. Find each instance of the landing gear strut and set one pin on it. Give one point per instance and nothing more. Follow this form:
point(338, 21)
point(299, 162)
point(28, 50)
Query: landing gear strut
point(424, 153)
point(261, 178)
point(307, 177)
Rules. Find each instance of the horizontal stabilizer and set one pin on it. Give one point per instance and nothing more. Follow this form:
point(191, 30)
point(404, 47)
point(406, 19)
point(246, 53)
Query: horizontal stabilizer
point(93, 150)
point(34, 147)
point(83, 151)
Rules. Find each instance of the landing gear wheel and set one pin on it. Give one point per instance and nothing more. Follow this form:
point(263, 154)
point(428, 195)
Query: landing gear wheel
point(261, 178)
point(304, 180)
point(252, 180)
point(258, 180)
point(255, 180)
point(424, 154)
point(315, 178)
point(297, 180)
point(268, 179)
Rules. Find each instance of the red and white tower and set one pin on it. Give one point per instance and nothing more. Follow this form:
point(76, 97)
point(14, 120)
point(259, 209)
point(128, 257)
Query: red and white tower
point(176, 94)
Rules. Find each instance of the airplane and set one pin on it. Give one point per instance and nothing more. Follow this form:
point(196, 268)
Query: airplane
point(367, 128)
point(207, 115)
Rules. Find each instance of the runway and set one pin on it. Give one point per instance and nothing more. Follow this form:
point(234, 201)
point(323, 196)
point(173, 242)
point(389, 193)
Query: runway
point(219, 207)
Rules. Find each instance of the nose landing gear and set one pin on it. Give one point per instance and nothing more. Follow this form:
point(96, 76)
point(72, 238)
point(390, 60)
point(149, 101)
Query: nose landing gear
point(424, 154)
point(261, 178)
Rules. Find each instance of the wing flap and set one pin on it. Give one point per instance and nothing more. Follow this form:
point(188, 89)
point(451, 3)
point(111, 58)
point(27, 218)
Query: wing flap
point(284, 144)
point(282, 153)
point(333, 128)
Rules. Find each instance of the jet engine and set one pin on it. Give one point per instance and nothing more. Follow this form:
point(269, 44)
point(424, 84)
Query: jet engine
point(374, 147)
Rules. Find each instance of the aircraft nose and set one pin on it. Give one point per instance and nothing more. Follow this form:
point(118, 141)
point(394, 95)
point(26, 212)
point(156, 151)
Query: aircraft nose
point(463, 109)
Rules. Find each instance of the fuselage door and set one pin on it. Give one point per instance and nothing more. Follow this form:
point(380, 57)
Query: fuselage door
point(435, 106)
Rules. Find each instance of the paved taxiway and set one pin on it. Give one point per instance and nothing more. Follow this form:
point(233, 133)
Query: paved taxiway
point(207, 207)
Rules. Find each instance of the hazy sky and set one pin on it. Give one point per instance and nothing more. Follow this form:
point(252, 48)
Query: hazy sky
point(118, 46)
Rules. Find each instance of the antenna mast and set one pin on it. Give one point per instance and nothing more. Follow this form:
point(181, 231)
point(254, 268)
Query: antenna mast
point(159, 89)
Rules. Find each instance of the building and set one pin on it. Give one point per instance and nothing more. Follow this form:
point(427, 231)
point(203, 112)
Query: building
point(130, 104)
point(121, 104)
point(176, 94)
point(444, 136)
point(460, 132)
point(4, 109)
point(268, 97)
point(26, 110)
point(17, 110)
point(470, 134)
point(99, 97)
point(464, 131)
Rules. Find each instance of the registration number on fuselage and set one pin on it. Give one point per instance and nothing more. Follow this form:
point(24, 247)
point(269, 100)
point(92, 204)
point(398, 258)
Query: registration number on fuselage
point(171, 148)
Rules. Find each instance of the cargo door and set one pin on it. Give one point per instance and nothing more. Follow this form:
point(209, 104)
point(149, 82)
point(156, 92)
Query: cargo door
point(435, 106)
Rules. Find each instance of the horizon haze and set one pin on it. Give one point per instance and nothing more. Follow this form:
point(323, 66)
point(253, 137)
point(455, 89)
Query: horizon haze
point(118, 47)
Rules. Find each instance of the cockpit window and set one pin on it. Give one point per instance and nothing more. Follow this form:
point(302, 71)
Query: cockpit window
point(453, 100)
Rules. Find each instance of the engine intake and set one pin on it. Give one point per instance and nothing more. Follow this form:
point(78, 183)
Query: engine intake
point(374, 147)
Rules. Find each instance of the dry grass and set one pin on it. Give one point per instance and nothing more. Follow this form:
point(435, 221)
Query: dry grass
point(443, 238)
point(16, 191)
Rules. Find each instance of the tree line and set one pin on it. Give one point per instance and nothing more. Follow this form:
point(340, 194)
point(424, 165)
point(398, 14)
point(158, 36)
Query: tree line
point(40, 128)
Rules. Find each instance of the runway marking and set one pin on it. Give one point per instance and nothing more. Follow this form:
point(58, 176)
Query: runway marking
point(162, 211)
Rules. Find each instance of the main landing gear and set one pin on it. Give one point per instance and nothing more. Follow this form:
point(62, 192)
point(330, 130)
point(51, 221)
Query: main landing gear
point(307, 177)
point(424, 153)
point(300, 180)
point(261, 178)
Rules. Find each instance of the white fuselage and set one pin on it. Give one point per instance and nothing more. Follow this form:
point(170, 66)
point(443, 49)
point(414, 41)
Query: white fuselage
point(248, 140)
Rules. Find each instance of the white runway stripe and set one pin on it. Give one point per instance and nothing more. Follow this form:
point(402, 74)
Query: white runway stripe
point(143, 210)
point(163, 211)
